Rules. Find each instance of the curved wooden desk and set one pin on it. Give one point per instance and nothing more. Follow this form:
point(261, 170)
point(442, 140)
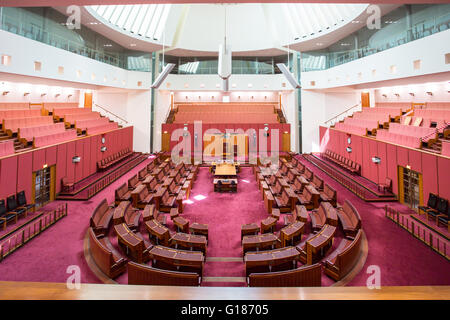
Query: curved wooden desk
point(284, 258)
point(158, 231)
point(291, 233)
point(258, 242)
point(189, 241)
point(176, 259)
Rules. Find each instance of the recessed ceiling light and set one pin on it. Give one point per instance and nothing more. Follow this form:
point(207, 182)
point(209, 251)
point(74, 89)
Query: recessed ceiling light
point(133, 45)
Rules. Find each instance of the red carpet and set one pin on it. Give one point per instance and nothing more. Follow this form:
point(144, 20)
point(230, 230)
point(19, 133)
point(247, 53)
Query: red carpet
point(402, 259)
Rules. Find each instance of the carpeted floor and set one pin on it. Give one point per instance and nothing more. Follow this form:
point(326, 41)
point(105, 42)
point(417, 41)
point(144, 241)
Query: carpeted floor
point(402, 259)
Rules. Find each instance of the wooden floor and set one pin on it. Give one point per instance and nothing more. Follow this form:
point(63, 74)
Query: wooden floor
point(59, 291)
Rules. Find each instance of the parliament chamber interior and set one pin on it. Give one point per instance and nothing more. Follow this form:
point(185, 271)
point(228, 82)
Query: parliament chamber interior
point(195, 150)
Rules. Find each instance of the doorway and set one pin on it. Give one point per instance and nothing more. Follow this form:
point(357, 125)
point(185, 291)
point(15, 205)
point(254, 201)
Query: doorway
point(410, 186)
point(44, 186)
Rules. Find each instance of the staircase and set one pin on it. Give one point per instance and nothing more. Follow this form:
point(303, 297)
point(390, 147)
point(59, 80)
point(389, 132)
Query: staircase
point(281, 116)
point(171, 116)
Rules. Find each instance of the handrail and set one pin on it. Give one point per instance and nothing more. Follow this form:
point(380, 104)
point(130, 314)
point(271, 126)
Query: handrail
point(168, 113)
point(115, 115)
point(356, 105)
point(436, 131)
point(282, 110)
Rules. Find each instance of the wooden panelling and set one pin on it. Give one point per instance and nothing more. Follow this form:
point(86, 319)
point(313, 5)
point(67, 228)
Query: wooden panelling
point(8, 177)
point(24, 173)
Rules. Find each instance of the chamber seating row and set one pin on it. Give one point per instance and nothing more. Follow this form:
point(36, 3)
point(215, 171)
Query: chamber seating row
point(15, 205)
point(60, 113)
point(113, 159)
point(362, 131)
point(404, 140)
point(42, 141)
point(304, 276)
point(346, 163)
point(139, 274)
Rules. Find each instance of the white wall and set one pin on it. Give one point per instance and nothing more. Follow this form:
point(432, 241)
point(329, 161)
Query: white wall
point(131, 105)
point(430, 50)
point(24, 52)
point(319, 106)
point(440, 91)
point(212, 82)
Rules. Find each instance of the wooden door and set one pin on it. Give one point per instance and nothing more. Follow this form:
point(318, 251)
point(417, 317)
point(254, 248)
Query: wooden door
point(365, 100)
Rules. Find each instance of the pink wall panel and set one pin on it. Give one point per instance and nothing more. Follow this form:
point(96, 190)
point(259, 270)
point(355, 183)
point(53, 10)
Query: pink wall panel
point(70, 166)
point(357, 149)
point(38, 159)
point(382, 166)
point(87, 158)
point(415, 160)
point(429, 175)
point(79, 151)
point(402, 156)
point(373, 168)
point(24, 174)
point(93, 154)
point(365, 170)
point(50, 156)
point(392, 172)
point(8, 177)
point(61, 165)
point(444, 177)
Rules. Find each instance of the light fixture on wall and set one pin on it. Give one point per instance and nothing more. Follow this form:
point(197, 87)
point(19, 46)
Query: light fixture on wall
point(349, 149)
point(396, 94)
point(429, 93)
point(69, 96)
point(349, 140)
point(103, 140)
point(376, 160)
point(25, 94)
point(43, 94)
point(412, 94)
point(103, 149)
point(76, 159)
point(5, 93)
point(57, 95)
point(384, 95)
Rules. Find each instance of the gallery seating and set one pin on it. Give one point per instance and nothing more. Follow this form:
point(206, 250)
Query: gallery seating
point(106, 257)
point(329, 194)
point(140, 274)
point(342, 260)
point(122, 194)
point(26, 134)
point(444, 218)
point(55, 138)
point(305, 276)
point(19, 113)
point(101, 217)
point(98, 129)
point(349, 218)
point(125, 213)
point(71, 118)
point(11, 125)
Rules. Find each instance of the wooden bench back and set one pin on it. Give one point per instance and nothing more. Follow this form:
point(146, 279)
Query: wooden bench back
point(102, 256)
point(120, 192)
point(98, 213)
point(140, 274)
point(347, 258)
point(305, 276)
